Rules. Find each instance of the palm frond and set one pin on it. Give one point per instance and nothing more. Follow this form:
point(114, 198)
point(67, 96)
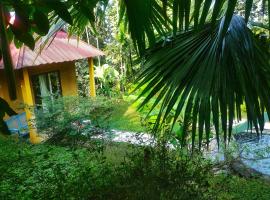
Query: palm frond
point(145, 18)
point(83, 14)
point(149, 20)
point(208, 76)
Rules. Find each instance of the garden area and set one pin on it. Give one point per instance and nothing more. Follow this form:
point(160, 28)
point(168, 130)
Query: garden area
point(135, 99)
point(115, 171)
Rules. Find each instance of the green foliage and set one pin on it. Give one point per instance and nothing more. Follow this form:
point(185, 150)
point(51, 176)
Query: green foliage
point(159, 19)
point(125, 117)
point(82, 74)
point(108, 80)
point(65, 119)
point(48, 172)
point(72, 118)
point(44, 171)
point(202, 75)
point(233, 187)
point(121, 171)
point(112, 38)
point(38, 15)
point(156, 173)
point(120, 52)
point(142, 27)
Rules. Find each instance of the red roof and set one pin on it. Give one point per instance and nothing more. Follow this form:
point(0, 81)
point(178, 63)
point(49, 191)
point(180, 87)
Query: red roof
point(61, 49)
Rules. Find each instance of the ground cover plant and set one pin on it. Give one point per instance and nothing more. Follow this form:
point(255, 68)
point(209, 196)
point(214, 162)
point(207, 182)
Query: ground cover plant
point(119, 171)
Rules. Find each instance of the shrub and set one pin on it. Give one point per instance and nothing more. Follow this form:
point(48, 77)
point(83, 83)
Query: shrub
point(49, 172)
point(157, 173)
point(72, 119)
point(52, 172)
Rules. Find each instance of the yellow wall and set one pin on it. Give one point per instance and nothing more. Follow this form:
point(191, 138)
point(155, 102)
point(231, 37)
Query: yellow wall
point(67, 76)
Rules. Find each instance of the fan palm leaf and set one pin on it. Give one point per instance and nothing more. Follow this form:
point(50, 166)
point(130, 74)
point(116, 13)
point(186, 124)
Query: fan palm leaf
point(146, 21)
point(150, 20)
point(206, 75)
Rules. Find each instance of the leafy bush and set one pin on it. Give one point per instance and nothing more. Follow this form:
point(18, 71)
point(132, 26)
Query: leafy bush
point(49, 172)
point(82, 75)
point(156, 173)
point(72, 118)
point(53, 172)
point(108, 80)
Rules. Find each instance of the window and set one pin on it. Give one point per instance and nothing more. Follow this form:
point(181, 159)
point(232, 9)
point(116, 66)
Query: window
point(46, 87)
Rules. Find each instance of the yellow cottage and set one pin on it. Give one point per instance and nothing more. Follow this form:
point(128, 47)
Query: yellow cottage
point(52, 69)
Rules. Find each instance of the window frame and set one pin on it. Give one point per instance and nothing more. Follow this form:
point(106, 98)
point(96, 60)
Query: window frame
point(46, 73)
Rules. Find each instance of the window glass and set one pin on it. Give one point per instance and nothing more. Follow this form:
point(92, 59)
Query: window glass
point(46, 87)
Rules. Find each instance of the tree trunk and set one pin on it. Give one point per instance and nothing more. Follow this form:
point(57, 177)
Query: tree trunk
point(6, 56)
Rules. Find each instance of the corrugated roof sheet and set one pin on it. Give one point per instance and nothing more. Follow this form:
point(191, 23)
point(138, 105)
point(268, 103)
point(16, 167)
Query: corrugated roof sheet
point(61, 49)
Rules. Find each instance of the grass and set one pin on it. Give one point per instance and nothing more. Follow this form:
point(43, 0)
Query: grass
point(125, 117)
point(116, 153)
point(234, 187)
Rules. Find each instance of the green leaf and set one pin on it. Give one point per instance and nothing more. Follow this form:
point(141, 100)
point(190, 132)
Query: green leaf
point(187, 13)
point(17, 43)
point(25, 38)
point(88, 13)
point(60, 9)
point(10, 34)
point(197, 7)
point(41, 21)
point(248, 8)
point(21, 22)
point(205, 11)
point(200, 72)
point(269, 14)
point(216, 10)
point(229, 14)
point(175, 15)
point(145, 18)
